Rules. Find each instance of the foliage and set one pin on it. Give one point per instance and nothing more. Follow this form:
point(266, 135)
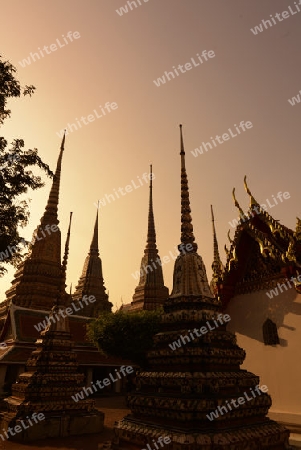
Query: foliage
point(126, 335)
point(15, 176)
point(10, 87)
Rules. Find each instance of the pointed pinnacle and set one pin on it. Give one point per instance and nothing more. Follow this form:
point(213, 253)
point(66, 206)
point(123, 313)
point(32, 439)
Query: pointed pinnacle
point(215, 243)
point(151, 231)
point(187, 236)
point(94, 243)
point(65, 261)
point(217, 264)
point(51, 211)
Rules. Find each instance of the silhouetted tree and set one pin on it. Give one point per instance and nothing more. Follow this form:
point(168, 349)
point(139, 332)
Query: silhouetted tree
point(15, 177)
point(125, 335)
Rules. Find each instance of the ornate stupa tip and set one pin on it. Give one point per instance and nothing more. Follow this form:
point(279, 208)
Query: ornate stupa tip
point(66, 253)
point(63, 140)
point(217, 264)
point(237, 204)
point(94, 243)
point(151, 178)
point(151, 231)
point(215, 244)
point(253, 202)
point(182, 152)
point(187, 237)
point(64, 262)
point(51, 210)
point(189, 274)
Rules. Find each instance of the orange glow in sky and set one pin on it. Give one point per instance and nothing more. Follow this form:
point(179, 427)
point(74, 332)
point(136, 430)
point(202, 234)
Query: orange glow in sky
point(97, 68)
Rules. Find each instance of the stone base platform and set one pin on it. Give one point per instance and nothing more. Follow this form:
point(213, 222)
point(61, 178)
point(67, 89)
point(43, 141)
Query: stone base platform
point(130, 435)
point(54, 426)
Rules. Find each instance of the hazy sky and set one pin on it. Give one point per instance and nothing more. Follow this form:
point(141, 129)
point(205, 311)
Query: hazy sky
point(116, 58)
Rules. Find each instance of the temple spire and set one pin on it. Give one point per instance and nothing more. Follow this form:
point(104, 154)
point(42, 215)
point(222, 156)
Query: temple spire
point(51, 210)
point(66, 253)
point(150, 292)
point(151, 232)
point(215, 243)
point(65, 261)
point(217, 263)
point(189, 275)
point(187, 236)
point(91, 282)
point(94, 243)
point(40, 273)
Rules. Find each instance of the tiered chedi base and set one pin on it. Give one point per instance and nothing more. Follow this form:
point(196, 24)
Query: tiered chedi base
point(181, 387)
point(149, 298)
point(47, 386)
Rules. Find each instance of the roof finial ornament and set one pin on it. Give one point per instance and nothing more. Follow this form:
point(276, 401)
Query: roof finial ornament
point(252, 199)
point(187, 236)
point(229, 237)
point(298, 229)
point(226, 250)
point(237, 204)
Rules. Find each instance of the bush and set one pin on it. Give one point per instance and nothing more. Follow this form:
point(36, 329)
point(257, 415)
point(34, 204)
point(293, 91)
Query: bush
point(128, 336)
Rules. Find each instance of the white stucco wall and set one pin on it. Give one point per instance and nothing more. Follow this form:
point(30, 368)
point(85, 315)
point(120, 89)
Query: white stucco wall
point(279, 367)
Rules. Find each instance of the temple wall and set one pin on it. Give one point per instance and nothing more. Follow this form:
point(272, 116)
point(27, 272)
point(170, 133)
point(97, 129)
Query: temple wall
point(279, 366)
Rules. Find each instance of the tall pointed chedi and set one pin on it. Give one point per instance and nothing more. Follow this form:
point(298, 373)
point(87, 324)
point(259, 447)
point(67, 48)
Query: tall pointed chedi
point(193, 394)
point(150, 292)
point(51, 383)
point(217, 266)
point(91, 282)
point(189, 272)
point(37, 279)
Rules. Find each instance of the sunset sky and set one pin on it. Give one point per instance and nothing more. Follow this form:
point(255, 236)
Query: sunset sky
point(115, 59)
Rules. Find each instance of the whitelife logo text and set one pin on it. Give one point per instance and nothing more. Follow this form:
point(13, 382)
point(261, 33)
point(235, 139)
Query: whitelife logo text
point(42, 325)
point(128, 188)
point(205, 146)
point(166, 259)
point(48, 49)
point(183, 68)
point(70, 127)
point(240, 400)
point(280, 17)
point(124, 9)
point(106, 382)
point(203, 330)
